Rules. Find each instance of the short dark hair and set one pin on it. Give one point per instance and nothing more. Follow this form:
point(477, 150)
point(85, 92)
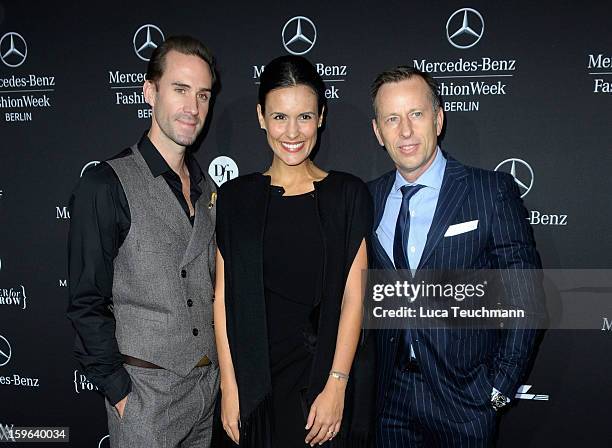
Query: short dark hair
point(401, 73)
point(291, 71)
point(183, 44)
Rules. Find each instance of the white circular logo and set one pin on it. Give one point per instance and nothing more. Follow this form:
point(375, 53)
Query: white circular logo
point(464, 28)
point(222, 169)
point(5, 351)
point(104, 442)
point(89, 165)
point(13, 49)
point(146, 39)
point(521, 171)
point(299, 35)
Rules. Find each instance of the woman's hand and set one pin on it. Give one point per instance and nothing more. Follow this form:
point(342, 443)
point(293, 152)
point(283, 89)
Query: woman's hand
point(230, 413)
point(326, 412)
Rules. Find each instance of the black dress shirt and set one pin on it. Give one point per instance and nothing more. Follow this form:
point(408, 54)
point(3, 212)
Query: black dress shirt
point(100, 221)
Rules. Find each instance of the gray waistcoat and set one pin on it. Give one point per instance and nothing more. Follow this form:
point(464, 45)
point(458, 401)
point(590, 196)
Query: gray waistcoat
point(162, 267)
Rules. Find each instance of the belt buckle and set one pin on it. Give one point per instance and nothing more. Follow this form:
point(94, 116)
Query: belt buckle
point(203, 362)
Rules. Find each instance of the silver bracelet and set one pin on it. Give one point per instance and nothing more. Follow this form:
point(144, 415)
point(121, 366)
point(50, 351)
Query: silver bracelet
point(338, 375)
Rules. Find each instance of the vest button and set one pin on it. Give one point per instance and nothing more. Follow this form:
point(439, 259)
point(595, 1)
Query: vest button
point(183, 273)
point(195, 331)
point(189, 302)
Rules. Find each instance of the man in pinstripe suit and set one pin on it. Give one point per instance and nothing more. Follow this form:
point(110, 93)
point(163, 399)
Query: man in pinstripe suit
point(442, 387)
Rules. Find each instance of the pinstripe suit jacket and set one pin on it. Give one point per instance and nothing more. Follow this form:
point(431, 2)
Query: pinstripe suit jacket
point(462, 366)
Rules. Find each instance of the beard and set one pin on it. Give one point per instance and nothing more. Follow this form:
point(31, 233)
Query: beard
point(170, 127)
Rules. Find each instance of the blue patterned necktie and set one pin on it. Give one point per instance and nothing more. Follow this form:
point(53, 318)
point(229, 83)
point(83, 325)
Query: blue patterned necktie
point(402, 228)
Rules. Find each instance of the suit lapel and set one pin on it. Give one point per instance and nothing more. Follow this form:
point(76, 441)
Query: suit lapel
point(384, 260)
point(380, 192)
point(452, 194)
point(167, 207)
point(203, 226)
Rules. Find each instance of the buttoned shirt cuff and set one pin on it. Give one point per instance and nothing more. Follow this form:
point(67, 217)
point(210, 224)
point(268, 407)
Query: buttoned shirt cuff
point(117, 385)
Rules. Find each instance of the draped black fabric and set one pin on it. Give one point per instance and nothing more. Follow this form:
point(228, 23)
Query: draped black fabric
point(292, 280)
point(345, 214)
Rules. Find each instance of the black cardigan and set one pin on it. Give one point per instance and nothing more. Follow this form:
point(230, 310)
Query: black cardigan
point(345, 214)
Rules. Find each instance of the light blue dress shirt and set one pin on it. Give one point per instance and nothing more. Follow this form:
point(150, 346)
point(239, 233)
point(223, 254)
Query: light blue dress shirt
point(422, 209)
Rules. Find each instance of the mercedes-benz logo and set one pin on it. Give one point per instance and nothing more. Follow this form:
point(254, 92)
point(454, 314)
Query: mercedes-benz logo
point(89, 165)
point(467, 27)
point(5, 351)
point(13, 49)
point(104, 441)
point(521, 171)
point(299, 39)
point(146, 39)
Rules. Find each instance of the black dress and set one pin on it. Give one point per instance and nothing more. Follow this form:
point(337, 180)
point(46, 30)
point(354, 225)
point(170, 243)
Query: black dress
point(293, 251)
point(342, 207)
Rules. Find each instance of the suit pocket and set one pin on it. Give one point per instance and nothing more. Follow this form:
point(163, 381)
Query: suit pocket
point(125, 408)
point(128, 314)
point(462, 227)
point(113, 409)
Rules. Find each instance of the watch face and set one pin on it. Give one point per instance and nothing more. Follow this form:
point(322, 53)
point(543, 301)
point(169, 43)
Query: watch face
point(498, 401)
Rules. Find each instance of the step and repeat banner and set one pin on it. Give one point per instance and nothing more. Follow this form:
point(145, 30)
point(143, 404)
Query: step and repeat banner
point(527, 89)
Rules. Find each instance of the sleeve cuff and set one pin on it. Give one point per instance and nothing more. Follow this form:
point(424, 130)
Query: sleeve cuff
point(117, 385)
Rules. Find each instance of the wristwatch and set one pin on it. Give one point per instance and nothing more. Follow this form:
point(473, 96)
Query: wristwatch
point(499, 400)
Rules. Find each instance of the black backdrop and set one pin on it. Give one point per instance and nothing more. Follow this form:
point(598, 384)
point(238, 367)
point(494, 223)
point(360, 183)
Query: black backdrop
point(546, 67)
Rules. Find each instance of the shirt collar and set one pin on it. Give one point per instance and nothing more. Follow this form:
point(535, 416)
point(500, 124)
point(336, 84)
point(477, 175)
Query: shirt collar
point(432, 177)
point(158, 165)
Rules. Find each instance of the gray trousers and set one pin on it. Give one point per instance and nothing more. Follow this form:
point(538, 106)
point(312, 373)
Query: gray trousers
point(164, 410)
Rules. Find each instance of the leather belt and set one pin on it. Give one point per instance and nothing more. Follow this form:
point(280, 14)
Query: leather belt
point(136, 362)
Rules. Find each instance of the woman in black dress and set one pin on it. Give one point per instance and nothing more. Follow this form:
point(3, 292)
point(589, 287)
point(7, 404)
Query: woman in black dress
point(288, 300)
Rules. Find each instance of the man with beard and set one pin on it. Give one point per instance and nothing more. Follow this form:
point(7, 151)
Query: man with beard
point(141, 263)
